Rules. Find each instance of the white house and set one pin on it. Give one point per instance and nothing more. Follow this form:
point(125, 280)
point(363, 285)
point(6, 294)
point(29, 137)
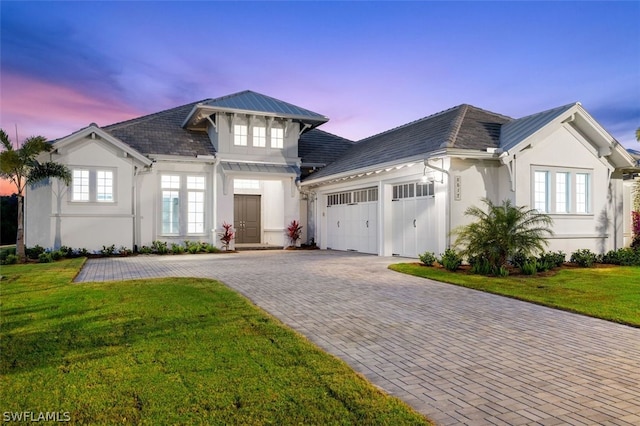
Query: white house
point(259, 163)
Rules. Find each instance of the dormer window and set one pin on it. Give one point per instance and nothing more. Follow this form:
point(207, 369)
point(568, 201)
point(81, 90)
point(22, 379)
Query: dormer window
point(240, 135)
point(277, 137)
point(260, 136)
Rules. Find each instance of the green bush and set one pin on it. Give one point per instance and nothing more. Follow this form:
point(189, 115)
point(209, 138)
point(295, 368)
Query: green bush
point(9, 259)
point(622, 256)
point(45, 258)
point(502, 271)
point(584, 257)
point(519, 259)
point(177, 248)
point(210, 248)
point(530, 267)
point(450, 259)
point(123, 251)
point(34, 252)
point(480, 265)
point(57, 255)
point(145, 250)
point(554, 259)
point(428, 258)
point(108, 251)
point(5, 252)
point(82, 252)
point(159, 247)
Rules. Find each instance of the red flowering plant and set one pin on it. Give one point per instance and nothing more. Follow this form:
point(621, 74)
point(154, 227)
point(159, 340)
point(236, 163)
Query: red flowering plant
point(227, 235)
point(635, 228)
point(293, 232)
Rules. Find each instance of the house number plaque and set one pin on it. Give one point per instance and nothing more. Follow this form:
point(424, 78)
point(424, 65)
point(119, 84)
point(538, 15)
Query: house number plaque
point(457, 188)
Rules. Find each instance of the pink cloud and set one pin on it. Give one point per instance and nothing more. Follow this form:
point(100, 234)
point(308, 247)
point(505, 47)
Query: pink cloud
point(39, 108)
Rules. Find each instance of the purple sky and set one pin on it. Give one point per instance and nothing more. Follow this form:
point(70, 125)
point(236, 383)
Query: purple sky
point(368, 66)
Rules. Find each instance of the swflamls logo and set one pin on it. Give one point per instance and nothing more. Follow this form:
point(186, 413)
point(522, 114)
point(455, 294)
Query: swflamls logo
point(32, 416)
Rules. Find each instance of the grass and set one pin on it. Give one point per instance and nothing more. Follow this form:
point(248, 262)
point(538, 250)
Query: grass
point(608, 292)
point(167, 351)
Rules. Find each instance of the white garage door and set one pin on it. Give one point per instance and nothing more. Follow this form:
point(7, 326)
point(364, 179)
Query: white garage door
point(414, 219)
point(352, 220)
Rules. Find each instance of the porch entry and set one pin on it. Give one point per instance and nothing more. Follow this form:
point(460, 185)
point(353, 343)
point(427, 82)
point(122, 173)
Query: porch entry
point(246, 218)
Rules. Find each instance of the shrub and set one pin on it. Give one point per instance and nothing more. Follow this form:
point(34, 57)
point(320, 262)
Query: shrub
point(83, 252)
point(227, 235)
point(623, 256)
point(57, 255)
point(529, 267)
point(194, 247)
point(519, 259)
point(5, 252)
point(450, 259)
point(293, 232)
point(123, 251)
point(145, 250)
point(45, 258)
point(34, 252)
point(159, 247)
point(502, 231)
point(584, 258)
point(502, 271)
point(177, 248)
point(480, 265)
point(108, 251)
point(428, 258)
point(553, 259)
point(67, 252)
point(11, 259)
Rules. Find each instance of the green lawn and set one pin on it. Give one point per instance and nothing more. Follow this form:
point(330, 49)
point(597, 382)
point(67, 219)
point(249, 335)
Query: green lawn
point(167, 351)
point(607, 292)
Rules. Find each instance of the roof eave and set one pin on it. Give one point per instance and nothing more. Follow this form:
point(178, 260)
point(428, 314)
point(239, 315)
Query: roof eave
point(208, 110)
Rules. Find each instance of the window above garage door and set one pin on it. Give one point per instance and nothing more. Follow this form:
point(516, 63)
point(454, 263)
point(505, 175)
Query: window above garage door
point(411, 190)
point(365, 195)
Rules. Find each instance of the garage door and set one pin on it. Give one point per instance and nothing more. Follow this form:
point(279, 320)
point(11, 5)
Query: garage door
point(352, 220)
point(414, 219)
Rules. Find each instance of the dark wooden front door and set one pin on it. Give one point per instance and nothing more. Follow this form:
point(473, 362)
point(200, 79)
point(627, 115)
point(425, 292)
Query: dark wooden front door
point(246, 218)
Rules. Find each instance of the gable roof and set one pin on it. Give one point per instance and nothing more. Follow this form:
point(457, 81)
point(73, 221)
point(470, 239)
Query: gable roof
point(249, 102)
point(518, 130)
point(463, 126)
point(162, 133)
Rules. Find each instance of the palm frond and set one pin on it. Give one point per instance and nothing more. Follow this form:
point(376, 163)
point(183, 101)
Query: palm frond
point(5, 140)
point(49, 169)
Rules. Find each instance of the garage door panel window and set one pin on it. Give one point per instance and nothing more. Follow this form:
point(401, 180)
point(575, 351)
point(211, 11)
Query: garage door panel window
point(350, 197)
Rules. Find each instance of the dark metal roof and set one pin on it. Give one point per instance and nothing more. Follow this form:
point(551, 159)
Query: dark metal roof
point(229, 166)
point(162, 133)
point(252, 101)
point(463, 126)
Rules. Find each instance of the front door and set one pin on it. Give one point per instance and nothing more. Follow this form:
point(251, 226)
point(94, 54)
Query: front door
point(246, 218)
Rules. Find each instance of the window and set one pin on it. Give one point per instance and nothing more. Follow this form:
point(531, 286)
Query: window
point(406, 190)
point(582, 193)
point(260, 137)
point(246, 184)
point(425, 189)
point(104, 186)
point(80, 185)
point(190, 188)
point(541, 191)
point(562, 191)
point(170, 204)
point(195, 204)
point(277, 137)
point(91, 185)
point(240, 135)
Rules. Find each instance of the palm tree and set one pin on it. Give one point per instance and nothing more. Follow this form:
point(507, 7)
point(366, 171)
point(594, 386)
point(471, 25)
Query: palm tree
point(21, 167)
point(502, 231)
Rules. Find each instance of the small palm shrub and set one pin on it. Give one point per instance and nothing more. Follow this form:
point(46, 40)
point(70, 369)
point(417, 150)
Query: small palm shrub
point(428, 258)
point(584, 257)
point(503, 231)
point(177, 248)
point(159, 247)
point(450, 259)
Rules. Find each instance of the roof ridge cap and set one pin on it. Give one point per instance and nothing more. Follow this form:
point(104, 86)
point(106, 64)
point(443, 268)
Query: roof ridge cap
point(435, 114)
point(455, 127)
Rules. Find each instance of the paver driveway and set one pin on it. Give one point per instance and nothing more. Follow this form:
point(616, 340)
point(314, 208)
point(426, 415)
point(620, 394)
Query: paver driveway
point(457, 355)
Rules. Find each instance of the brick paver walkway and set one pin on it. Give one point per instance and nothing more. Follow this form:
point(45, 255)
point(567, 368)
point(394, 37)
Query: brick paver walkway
point(457, 355)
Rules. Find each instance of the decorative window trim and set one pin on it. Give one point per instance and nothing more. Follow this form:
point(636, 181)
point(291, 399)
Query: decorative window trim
point(90, 187)
point(562, 190)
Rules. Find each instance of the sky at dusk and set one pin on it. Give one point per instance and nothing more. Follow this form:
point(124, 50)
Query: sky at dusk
point(368, 66)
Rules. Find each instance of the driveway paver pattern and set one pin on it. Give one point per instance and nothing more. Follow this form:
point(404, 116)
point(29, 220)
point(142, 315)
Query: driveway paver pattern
point(457, 355)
